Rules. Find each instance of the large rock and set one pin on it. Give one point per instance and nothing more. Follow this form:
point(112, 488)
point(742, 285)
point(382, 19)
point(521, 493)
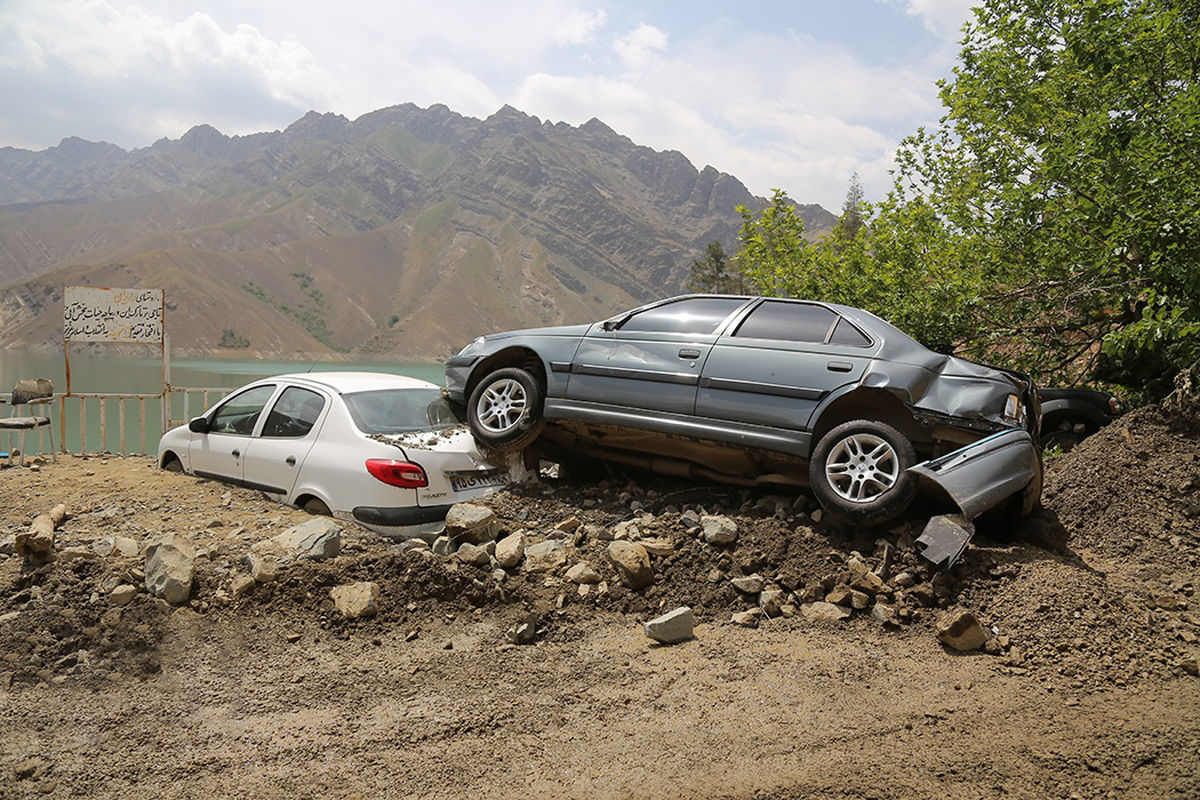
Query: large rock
point(169, 569)
point(719, 530)
point(824, 612)
point(632, 563)
point(961, 630)
point(545, 556)
point(467, 522)
point(38, 542)
point(747, 619)
point(474, 554)
point(583, 572)
point(356, 600)
point(122, 595)
point(510, 550)
point(672, 627)
point(750, 584)
point(658, 546)
point(771, 601)
point(318, 538)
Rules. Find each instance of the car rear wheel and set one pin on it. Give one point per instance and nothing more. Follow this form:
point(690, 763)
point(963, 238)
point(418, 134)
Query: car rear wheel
point(505, 410)
point(317, 507)
point(859, 472)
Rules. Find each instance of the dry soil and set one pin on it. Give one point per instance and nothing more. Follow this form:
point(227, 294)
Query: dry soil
point(1088, 688)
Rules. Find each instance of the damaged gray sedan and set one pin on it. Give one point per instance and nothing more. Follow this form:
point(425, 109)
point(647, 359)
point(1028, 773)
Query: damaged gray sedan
point(761, 391)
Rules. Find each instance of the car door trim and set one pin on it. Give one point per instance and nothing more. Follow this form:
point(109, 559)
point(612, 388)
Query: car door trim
point(675, 378)
point(741, 434)
point(754, 387)
point(258, 487)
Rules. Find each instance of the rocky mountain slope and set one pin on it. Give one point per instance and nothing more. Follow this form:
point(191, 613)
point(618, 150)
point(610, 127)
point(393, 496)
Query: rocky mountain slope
point(405, 232)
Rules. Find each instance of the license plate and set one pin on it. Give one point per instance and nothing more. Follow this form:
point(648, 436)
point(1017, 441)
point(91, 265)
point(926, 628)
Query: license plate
point(466, 481)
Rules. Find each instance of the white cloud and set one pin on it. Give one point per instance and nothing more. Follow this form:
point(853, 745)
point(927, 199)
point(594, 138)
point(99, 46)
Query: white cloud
point(578, 26)
point(149, 71)
point(641, 48)
point(943, 18)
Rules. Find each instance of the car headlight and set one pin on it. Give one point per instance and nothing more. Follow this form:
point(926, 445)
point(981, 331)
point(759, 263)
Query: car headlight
point(1014, 410)
point(477, 342)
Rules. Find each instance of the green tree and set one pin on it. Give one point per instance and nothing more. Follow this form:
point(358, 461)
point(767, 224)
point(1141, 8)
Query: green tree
point(713, 273)
point(851, 221)
point(900, 262)
point(1067, 173)
point(775, 257)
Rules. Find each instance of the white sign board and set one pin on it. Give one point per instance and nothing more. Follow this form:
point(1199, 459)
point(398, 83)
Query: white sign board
point(91, 314)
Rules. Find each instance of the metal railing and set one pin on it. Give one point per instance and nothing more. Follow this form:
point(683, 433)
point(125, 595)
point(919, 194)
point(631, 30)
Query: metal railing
point(208, 396)
point(113, 422)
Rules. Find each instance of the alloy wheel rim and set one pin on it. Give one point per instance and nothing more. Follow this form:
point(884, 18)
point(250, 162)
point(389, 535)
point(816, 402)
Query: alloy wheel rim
point(502, 405)
point(861, 467)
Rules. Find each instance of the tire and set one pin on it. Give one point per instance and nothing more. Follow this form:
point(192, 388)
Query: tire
point(316, 507)
point(173, 464)
point(1065, 435)
point(505, 410)
point(859, 472)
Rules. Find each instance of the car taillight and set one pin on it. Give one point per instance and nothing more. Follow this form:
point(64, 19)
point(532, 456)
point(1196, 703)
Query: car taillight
point(397, 473)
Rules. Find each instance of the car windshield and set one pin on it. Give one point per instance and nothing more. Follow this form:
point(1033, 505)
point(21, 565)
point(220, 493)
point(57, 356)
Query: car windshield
point(400, 410)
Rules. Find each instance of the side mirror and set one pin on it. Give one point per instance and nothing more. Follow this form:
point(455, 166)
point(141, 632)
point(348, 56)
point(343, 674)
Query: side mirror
point(198, 425)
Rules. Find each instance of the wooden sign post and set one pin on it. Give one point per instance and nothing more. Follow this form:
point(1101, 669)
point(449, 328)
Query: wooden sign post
point(94, 314)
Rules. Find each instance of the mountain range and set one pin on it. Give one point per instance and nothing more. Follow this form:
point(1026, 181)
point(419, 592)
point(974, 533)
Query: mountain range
point(404, 233)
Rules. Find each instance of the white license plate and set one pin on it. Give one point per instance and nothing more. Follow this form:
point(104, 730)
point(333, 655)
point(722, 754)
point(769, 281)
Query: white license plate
point(466, 481)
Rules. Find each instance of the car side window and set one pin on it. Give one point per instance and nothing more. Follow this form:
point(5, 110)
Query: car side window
point(693, 315)
point(294, 413)
point(789, 322)
point(239, 413)
point(846, 333)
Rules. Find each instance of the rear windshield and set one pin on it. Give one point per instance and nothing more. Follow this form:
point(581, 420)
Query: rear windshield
point(400, 410)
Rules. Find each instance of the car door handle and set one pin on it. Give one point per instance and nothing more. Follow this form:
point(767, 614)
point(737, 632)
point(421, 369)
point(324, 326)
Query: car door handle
point(839, 366)
point(290, 461)
point(237, 454)
point(689, 353)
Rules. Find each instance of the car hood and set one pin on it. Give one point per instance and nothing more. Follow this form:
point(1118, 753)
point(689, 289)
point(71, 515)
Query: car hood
point(556, 330)
point(945, 384)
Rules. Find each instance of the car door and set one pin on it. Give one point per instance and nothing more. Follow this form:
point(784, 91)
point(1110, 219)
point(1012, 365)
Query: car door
point(651, 359)
point(273, 459)
point(218, 452)
point(779, 362)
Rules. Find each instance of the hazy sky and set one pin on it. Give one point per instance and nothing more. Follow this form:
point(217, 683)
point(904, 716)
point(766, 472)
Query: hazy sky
point(796, 95)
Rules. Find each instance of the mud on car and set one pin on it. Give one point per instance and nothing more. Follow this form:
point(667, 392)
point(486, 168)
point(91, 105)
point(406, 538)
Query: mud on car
point(759, 391)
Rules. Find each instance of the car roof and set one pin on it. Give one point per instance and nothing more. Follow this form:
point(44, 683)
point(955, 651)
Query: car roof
point(350, 382)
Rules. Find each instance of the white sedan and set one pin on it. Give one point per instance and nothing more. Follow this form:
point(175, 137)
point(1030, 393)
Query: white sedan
point(382, 450)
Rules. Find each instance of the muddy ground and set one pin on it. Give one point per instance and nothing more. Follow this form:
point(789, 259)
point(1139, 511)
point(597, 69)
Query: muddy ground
point(1087, 689)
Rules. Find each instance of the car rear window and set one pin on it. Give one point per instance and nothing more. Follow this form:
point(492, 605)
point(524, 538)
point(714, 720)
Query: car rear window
point(695, 315)
point(400, 410)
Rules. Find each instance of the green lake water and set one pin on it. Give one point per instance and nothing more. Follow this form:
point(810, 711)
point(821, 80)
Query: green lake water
point(133, 375)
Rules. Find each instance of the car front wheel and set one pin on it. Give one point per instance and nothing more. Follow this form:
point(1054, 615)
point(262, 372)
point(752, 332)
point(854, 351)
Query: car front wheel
point(859, 472)
point(505, 410)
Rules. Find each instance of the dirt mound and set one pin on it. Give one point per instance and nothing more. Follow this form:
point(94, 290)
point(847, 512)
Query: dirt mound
point(1130, 495)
